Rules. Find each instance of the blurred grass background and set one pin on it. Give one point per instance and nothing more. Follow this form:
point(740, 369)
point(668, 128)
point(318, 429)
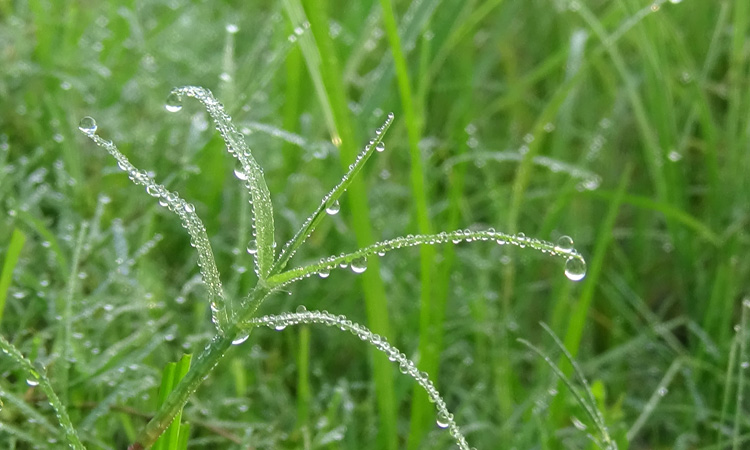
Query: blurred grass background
point(621, 123)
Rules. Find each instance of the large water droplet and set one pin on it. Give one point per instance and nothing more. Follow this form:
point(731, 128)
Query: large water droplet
point(564, 244)
point(87, 125)
point(32, 382)
point(575, 269)
point(240, 174)
point(380, 147)
point(242, 337)
point(443, 419)
point(324, 273)
point(333, 208)
point(174, 102)
point(359, 265)
point(252, 247)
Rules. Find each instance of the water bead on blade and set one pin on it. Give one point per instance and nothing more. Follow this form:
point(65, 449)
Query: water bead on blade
point(359, 265)
point(575, 269)
point(242, 337)
point(333, 208)
point(174, 102)
point(564, 244)
point(252, 247)
point(240, 174)
point(87, 125)
point(380, 147)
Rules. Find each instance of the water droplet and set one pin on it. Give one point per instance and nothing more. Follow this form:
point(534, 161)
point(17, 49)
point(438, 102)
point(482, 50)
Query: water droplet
point(333, 208)
point(153, 191)
point(280, 326)
point(662, 391)
point(189, 208)
point(575, 269)
point(242, 337)
point(87, 125)
point(359, 265)
point(174, 102)
point(578, 424)
point(240, 174)
point(252, 247)
point(32, 382)
point(232, 28)
point(564, 244)
point(443, 419)
point(324, 273)
point(301, 309)
point(380, 147)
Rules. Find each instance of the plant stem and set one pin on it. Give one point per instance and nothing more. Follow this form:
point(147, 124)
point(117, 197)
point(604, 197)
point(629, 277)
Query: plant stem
point(207, 360)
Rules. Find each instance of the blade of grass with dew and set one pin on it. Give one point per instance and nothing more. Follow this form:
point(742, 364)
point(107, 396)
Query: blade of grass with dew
point(63, 342)
point(250, 173)
point(653, 401)
point(406, 366)
point(311, 223)
point(344, 135)
point(36, 376)
point(577, 320)
point(184, 210)
point(17, 240)
point(575, 266)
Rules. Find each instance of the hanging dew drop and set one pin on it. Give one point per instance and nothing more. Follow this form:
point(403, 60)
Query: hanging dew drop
point(575, 269)
point(252, 247)
point(32, 382)
point(324, 273)
point(240, 174)
point(380, 148)
point(333, 208)
point(564, 244)
point(174, 102)
point(359, 265)
point(87, 125)
point(443, 419)
point(242, 337)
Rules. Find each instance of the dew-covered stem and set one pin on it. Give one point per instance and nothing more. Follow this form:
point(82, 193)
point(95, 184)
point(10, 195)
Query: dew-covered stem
point(220, 308)
point(35, 376)
point(575, 266)
point(330, 204)
point(406, 366)
point(250, 173)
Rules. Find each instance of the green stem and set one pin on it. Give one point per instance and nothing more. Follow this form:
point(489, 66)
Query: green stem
point(207, 360)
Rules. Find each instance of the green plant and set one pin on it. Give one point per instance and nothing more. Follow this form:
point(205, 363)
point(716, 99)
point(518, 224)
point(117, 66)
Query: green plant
point(235, 318)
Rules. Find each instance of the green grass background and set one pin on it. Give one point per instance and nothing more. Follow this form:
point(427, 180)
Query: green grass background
point(621, 123)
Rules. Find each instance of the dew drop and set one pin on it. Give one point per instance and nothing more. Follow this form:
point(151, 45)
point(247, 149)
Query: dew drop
point(564, 244)
point(153, 191)
point(174, 102)
point(32, 382)
point(578, 424)
point(189, 208)
point(380, 147)
point(324, 273)
point(301, 309)
point(240, 174)
point(242, 337)
point(443, 419)
point(87, 125)
point(575, 269)
point(279, 326)
point(252, 247)
point(359, 265)
point(333, 208)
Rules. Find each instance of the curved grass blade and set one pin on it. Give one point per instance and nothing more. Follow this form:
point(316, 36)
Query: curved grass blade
point(575, 267)
point(250, 173)
point(406, 366)
point(220, 309)
point(37, 377)
point(314, 219)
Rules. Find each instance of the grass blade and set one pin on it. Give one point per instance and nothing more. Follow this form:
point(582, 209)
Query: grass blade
point(17, 239)
point(249, 172)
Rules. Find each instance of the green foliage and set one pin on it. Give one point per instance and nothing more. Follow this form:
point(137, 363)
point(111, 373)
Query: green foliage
point(620, 123)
